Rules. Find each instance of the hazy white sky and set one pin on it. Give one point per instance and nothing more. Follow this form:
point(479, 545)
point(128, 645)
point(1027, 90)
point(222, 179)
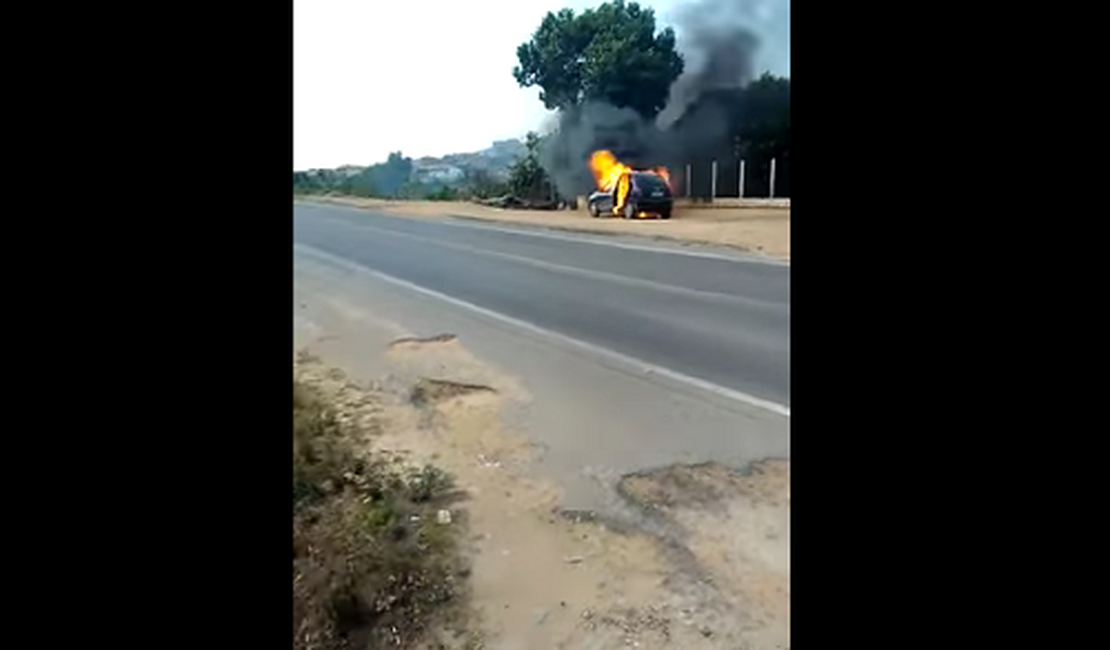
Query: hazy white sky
point(426, 77)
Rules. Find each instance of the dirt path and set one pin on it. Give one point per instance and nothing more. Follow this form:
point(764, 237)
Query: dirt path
point(758, 230)
point(708, 567)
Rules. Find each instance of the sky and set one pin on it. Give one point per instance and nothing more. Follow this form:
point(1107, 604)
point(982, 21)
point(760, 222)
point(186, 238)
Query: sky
point(424, 77)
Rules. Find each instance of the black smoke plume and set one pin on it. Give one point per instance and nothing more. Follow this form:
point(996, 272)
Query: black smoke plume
point(720, 41)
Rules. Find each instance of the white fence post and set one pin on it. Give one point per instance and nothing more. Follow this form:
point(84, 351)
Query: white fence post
point(772, 178)
point(713, 183)
point(741, 179)
point(688, 181)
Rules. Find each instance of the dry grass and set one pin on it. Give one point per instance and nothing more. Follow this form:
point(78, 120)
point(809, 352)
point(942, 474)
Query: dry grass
point(372, 567)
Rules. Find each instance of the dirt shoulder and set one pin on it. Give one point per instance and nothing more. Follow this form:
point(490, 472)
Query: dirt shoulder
point(707, 566)
point(757, 230)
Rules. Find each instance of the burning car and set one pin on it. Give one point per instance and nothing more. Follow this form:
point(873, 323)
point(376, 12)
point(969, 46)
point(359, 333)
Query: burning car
point(629, 193)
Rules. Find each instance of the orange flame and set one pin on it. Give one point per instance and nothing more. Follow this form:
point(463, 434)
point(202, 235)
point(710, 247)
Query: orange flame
point(607, 169)
point(610, 172)
point(665, 175)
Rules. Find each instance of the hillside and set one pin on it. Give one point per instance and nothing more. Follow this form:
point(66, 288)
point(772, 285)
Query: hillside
point(480, 173)
point(495, 161)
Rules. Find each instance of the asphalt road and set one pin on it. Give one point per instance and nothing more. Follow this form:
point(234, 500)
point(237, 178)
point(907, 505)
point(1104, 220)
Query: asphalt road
point(719, 319)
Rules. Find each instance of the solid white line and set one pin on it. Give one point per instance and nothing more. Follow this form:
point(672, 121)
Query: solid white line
point(595, 238)
point(641, 365)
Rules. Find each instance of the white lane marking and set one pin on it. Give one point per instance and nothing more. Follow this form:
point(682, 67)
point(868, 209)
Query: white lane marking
point(643, 366)
point(460, 221)
point(573, 270)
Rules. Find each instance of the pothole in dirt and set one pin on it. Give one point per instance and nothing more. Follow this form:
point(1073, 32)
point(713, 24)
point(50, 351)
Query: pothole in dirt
point(429, 392)
point(416, 342)
point(728, 531)
point(706, 485)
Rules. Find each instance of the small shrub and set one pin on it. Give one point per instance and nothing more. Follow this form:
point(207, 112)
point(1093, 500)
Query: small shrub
point(443, 194)
point(428, 484)
point(371, 566)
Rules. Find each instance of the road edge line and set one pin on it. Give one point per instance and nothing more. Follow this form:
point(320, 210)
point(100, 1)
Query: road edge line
point(644, 366)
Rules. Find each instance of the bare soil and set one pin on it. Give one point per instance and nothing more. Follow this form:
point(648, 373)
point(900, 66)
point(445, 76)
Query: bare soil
point(736, 528)
point(708, 569)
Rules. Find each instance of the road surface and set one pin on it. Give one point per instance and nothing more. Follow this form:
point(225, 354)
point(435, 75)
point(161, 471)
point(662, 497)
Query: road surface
point(713, 319)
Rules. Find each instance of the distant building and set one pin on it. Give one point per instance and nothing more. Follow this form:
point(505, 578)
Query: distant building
point(439, 172)
point(349, 170)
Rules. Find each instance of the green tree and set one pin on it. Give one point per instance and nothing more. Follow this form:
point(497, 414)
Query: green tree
point(389, 177)
point(611, 53)
point(361, 185)
point(442, 193)
point(527, 178)
point(302, 184)
point(479, 183)
point(763, 120)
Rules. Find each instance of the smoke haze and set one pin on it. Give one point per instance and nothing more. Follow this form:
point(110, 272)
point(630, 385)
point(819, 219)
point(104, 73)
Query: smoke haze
point(723, 43)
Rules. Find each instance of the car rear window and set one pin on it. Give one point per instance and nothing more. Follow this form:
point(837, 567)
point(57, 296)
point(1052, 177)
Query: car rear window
point(649, 182)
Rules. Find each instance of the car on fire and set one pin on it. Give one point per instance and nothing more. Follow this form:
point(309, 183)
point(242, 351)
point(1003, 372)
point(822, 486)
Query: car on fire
point(649, 194)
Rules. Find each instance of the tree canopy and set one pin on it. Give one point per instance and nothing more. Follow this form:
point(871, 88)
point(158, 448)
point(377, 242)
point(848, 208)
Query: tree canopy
point(611, 53)
point(766, 115)
point(527, 178)
point(386, 178)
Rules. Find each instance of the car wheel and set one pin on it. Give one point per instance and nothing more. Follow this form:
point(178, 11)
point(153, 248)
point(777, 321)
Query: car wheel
point(629, 210)
point(665, 213)
point(594, 211)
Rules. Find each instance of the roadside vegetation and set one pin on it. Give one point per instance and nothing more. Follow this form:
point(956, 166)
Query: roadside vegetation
point(376, 561)
point(526, 180)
